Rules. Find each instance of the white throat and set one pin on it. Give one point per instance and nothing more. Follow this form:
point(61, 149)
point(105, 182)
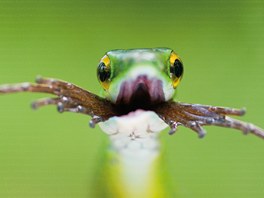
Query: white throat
point(134, 139)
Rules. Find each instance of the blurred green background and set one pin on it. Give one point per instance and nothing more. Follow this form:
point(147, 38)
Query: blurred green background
point(47, 154)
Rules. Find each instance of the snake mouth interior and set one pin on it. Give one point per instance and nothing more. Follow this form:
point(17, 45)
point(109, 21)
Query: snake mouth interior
point(141, 93)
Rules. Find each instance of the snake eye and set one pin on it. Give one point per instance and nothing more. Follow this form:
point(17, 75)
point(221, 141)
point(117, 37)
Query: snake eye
point(176, 69)
point(104, 72)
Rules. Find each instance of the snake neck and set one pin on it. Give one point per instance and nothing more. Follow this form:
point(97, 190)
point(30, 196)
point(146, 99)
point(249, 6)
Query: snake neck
point(134, 170)
point(133, 165)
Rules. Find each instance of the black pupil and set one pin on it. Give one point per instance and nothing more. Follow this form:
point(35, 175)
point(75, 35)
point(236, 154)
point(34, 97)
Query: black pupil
point(103, 72)
point(177, 68)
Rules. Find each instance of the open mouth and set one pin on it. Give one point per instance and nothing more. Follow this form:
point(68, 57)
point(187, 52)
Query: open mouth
point(140, 93)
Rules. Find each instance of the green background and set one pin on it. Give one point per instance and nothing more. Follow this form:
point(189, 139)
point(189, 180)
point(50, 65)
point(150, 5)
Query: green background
point(47, 154)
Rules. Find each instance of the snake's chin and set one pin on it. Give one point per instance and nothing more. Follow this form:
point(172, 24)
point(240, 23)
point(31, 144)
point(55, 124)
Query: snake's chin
point(136, 124)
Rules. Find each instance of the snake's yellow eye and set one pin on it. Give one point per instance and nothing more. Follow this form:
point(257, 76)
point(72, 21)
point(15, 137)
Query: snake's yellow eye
point(176, 69)
point(104, 72)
